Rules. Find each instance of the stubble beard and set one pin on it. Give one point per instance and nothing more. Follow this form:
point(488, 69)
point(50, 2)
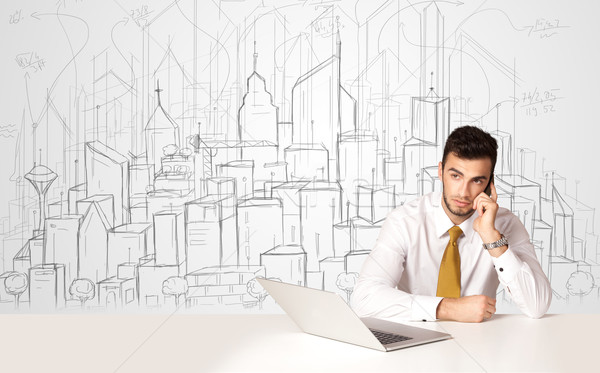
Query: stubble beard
point(453, 211)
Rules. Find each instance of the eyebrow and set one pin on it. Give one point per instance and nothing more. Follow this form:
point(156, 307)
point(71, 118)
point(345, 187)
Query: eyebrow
point(483, 177)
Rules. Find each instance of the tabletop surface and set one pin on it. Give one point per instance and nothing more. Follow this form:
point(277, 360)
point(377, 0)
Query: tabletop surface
point(273, 343)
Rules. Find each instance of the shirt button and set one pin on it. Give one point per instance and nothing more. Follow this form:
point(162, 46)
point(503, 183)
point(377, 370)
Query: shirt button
point(453, 243)
point(501, 269)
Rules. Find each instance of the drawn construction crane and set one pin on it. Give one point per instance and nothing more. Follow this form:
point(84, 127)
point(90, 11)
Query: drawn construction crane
point(200, 146)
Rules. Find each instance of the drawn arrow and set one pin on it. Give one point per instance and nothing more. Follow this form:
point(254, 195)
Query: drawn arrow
point(124, 21)
point(37, 16)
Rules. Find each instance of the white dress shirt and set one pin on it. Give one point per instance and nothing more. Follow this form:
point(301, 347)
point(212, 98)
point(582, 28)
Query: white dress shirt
point(399, 277)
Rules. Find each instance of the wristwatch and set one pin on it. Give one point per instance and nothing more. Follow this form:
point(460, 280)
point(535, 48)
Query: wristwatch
point(501, 242)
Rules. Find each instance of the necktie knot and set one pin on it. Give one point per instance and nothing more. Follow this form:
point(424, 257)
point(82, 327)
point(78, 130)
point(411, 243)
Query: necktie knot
point(455, 232)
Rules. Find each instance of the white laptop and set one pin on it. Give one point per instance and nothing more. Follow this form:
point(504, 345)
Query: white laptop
point(327, 315)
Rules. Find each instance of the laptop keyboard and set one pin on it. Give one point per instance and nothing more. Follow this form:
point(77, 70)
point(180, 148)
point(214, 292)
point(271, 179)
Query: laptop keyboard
point(387, 338)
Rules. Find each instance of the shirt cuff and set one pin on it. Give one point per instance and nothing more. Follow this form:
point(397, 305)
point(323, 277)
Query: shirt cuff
point(424, 308)
point(507, 266)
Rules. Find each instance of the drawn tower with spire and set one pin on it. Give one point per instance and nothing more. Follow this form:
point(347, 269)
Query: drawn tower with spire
point(257, 116)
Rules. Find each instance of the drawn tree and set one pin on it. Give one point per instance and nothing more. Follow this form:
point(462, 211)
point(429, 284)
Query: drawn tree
point(175, 286)
point(186, 152)
point(15, 284)
point(257, 291)
point(170, 150)
point(346, 281)
point(580, 283)
point(83, 289)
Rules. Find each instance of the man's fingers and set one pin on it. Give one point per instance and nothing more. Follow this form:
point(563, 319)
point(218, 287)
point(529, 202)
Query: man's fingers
point(494, 193)
point(477, 202)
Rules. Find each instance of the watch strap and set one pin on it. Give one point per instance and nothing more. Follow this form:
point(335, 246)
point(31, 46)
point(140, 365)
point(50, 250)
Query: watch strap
point(501, 242)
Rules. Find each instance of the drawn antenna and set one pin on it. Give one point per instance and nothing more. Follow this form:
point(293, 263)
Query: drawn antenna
point(255, 56)
point(431, 90)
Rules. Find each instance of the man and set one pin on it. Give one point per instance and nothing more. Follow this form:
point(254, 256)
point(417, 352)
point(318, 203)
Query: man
point(430, 261)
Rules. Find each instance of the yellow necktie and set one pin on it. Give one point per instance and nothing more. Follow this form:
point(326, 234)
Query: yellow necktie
point(449, 278)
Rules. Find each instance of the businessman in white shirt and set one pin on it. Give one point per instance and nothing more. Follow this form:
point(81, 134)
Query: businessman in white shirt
point(442, 256)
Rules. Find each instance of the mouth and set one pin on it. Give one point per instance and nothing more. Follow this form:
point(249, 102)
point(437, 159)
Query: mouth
point(460, 203)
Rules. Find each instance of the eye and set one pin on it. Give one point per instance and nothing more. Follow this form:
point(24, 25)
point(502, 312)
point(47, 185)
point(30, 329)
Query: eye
point(454, 176)
point(478, 181)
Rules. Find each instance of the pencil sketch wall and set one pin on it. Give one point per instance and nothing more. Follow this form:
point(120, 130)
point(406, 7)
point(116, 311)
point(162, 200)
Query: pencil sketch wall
point(164, 154)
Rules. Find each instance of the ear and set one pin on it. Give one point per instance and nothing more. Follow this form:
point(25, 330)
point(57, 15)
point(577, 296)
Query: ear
point(440, 171)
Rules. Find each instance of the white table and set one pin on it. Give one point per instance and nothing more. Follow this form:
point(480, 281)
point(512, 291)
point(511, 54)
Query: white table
point(273, 343)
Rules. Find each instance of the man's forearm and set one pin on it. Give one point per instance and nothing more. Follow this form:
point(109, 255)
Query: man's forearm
point(474, 308)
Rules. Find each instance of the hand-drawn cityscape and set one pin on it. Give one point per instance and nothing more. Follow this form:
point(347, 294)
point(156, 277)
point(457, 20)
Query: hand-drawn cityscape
point(170, 153)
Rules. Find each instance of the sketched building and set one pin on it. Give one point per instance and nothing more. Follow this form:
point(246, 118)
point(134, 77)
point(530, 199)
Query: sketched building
point(417, 155)
point(430, 112)
point(211, 232)
point(357, 163)
point(76, 193)
point(260, 226)
point(31, 255)
point(287, 263)
point(176, 174)
point(257, 116)
point(320, 209)
point(504, 163)
point(221, 285)
point(105, 202)
point(375, 201)
point(169, 238)
point(263, 155)
point(431, 121)
point(160, 131)
point(47, 287)
point(150, 277)
point(289, 195)
point(243, 174)
point(321, 108)
point(119, 291)
point(61, 244)
point(128, 243)
point(563, 244)
point(523, 198)
point(93, 244)
point(307, 162)
point(107, 172)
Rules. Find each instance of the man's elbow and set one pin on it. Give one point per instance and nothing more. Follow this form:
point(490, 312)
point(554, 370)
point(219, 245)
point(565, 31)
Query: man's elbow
point(536, 313)
point(538, 310)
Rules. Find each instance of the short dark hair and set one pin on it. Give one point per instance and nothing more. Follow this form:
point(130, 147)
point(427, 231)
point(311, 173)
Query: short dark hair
point(469, 142)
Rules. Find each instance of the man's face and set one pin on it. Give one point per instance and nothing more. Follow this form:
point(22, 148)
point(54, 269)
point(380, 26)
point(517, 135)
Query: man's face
point(462, 180)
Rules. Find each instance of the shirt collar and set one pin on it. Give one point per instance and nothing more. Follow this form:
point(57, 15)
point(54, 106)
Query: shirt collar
point(443, 222)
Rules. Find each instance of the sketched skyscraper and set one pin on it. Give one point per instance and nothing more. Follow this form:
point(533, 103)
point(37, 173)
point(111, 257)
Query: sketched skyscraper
point(430, 111)
point(107, 173)
point(321, 108)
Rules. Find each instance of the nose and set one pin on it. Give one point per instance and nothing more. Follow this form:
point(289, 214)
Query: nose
point(463, 190)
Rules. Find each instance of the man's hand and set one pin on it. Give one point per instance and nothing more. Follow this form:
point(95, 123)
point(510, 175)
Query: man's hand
point(484, 224)
point(486, 207)
point(473, 308)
